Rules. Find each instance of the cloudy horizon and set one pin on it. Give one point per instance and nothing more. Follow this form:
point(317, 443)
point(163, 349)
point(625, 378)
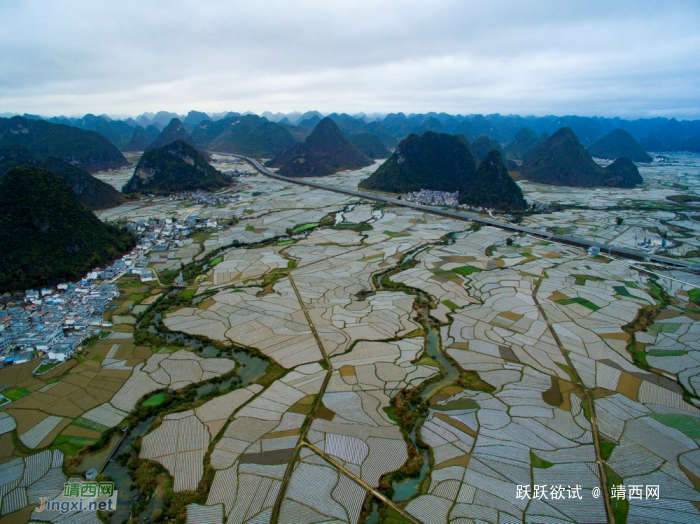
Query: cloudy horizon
point(626, 59)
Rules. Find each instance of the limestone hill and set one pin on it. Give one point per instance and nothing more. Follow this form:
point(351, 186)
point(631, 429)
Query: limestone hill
point(324, 152)
point(562, 160)
point(172, 168)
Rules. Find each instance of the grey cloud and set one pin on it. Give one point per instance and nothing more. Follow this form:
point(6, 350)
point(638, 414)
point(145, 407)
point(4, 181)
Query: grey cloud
point(610, 58)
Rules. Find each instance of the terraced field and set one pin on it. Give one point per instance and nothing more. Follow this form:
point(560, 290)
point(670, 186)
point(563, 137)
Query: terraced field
point(420, 370)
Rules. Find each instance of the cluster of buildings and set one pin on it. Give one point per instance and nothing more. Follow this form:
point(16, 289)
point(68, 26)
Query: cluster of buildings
point(207, 199)
point(52, 323)
point(236, 173)
point(164, 235)
point(160, 235)
point(429, 197)
point(653, 245)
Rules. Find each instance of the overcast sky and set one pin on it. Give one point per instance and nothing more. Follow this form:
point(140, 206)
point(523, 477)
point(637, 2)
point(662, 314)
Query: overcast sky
point(611, 58)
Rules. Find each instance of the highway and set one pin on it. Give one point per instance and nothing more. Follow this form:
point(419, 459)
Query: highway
point(467, 216)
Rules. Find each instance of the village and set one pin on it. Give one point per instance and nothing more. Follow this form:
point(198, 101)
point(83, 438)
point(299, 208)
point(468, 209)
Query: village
point(53, 322)
point(433, 198)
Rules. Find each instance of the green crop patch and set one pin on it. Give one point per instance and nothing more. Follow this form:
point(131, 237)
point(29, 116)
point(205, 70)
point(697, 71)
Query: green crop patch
point(689, 426)
point(305, 227)
point(580, 280)
point(606, 449)
point(155, 400)
point(578, 300)
point(622, 291)
point(16, 394)
point(89, 424)
point(466, 270)
point(694, 295)
point(46, 367)
point(538, 462)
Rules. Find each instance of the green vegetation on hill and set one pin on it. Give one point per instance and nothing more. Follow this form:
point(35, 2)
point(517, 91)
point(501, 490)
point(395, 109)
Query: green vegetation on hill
point(377, 128)
point(434, 161)
point(524, 142)
point(370, 145)
point(492, 186)
point(692, 144)
point(208, 130)
point(15, 156)
point(91, 192)
point(348, 125)
point(324, 152)
point(142, 138)
point(299, 133)
point(429, 124)
point(47, 236)
point(173, 131)
point(300, 161)
point(116, 131)
point(619, 143)
point(90, 150)
point(175, 167)
point(483, 145)
point(562, 160)
point(622, 173)
point(249, 135)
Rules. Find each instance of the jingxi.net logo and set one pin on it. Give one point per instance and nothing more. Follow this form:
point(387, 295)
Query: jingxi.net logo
point(81, 496)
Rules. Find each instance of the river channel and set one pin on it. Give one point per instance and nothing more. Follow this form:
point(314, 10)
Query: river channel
point(410, 487)
point(250, 369)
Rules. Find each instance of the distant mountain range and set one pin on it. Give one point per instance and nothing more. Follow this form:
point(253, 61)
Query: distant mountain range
point(524, 142)
point(483, 145)
point(194, 118)
point(175, 167)
point(247, 135)
point(370, 145)
point(443, 162)
point(174, 131)
point(116, 131)
point(654, 134)
point(324, 152)
point(274, 133)
point(142, 138)
point(47, 235)
point(562, 160)
point(88, 149)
